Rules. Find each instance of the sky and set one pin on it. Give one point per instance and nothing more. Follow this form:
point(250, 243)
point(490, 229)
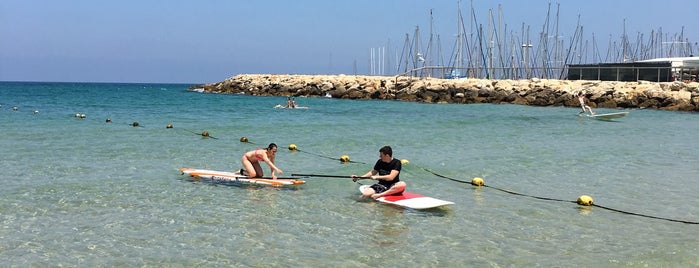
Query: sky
point(207, 41)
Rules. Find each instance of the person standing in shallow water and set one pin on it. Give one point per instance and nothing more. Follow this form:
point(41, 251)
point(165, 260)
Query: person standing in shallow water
point(251, 162)
point(387, 172)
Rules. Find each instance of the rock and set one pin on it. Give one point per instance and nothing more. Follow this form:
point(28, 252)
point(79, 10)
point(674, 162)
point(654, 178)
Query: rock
point(535, 91)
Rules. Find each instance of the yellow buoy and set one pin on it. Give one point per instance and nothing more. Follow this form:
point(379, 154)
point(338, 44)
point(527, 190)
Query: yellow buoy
point(585, 200)
point(243, 139)
point(293, 147)
point(477, 181)
point(344, 159)
point(404, 161)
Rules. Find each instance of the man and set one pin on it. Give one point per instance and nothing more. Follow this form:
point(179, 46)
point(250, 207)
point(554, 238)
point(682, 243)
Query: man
point(581, 99)
point(386, 171)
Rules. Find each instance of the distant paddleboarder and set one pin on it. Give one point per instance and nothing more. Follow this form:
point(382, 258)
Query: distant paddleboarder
point(583, 106)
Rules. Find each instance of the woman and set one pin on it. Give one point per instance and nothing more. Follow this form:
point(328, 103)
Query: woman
point(251, 161)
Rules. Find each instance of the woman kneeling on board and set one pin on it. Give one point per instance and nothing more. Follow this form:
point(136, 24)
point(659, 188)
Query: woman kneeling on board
point(251, 162)
point(388, 170)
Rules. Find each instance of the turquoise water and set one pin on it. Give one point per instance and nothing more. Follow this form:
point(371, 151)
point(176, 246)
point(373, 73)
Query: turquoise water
point(83, 192)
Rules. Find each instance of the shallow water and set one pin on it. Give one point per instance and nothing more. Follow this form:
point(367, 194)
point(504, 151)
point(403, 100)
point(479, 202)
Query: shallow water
point(83, 192)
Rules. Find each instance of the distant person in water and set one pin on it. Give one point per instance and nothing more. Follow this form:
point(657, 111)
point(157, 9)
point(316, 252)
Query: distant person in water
point(293, 103)
point(288, 103)
point(386, 172)
point(251, 162)
point(583, 106)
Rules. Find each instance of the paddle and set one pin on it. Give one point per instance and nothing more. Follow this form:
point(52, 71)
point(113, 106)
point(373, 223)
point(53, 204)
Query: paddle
point(330, 176)
point(238, 173)
point(266, 178)
point(279, 178)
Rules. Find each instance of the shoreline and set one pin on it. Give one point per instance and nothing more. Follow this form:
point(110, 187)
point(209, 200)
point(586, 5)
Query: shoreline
point(672, 96)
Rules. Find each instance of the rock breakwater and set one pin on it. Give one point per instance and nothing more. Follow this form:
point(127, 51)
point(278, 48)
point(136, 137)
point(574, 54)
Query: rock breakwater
point(675, 96)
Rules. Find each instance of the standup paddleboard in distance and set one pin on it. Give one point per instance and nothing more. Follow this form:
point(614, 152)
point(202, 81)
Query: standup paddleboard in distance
point(232, 177)
point(608, 116)
point(279, 106)
point(410, 200)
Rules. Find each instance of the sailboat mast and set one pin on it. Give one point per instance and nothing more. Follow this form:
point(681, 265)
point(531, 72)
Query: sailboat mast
point(459, 40)
point(430, 45)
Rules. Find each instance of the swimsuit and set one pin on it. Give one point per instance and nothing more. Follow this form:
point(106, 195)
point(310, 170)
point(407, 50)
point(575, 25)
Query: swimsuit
point(583, 106)
point(257, 155)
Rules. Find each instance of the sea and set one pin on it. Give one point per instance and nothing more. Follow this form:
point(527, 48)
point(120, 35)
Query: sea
point(85, 192)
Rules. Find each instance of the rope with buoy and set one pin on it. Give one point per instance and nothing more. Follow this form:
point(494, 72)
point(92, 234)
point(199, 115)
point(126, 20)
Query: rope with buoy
point(204, 134)
point(343, 158)
point(583, 200)
point(479, 182)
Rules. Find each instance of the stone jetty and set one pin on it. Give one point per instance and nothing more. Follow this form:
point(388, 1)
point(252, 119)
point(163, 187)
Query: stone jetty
point(674, 96)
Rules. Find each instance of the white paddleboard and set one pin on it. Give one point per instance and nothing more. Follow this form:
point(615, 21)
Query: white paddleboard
point(279, 106)
point(232, 177)
point(411, 200)
point(608, 116)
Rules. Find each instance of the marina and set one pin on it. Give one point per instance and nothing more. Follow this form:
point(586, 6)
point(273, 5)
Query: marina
point(488, 46)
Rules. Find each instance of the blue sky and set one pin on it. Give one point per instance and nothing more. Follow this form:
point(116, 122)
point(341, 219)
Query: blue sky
point(210, 40)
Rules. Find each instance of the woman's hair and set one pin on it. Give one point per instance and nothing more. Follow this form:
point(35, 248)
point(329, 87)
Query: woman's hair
point(271, 146)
